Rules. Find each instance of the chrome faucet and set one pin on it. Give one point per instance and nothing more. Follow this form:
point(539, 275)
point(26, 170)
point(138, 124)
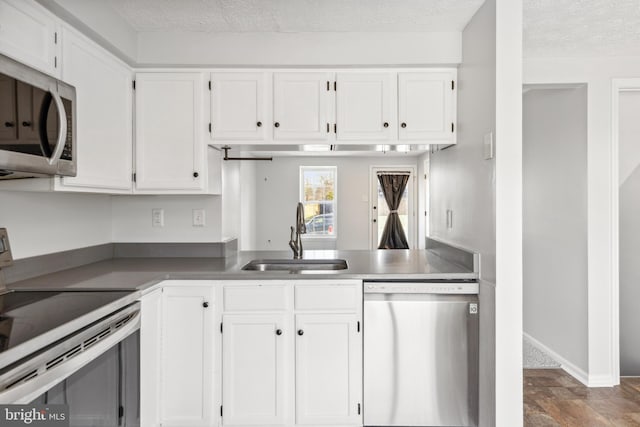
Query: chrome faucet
point(295, 243)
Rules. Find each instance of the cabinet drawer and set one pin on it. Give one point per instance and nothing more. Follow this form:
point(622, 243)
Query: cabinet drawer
point(326, 297)
point(255, 298)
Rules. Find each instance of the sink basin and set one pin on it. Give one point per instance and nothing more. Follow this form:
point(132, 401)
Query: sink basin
point(295, 265)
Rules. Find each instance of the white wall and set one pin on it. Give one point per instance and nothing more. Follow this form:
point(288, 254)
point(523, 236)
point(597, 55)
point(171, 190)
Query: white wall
point(629, 154)
point(597, 74)
point(42, 223)
point(555, 222)
point(323, 49)
point(278, 192)
point(248, 205)
point(131, 221)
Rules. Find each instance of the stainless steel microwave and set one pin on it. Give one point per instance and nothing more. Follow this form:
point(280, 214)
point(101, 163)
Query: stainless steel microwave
point(37, 123)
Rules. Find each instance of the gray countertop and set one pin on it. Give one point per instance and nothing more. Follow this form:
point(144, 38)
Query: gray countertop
point(143, 273)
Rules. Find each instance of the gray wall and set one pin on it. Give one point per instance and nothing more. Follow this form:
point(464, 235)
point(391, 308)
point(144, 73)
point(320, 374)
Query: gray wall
point(277, 193)
point(461, 180)
point(629, 232)
point(555, 221)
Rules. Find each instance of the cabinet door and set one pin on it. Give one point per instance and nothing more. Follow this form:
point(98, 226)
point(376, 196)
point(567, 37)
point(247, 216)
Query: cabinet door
point(328, 369)
point(253, 373)
point(301, 106)
point(237, 106)
point(104, 116)
point(427, 106)
point(187, 357)
point(8, 119)
point(365, 106)
point(28, 33)
point(169, 144)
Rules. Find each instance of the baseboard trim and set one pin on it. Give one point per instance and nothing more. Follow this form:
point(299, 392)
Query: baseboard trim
point(567, 366)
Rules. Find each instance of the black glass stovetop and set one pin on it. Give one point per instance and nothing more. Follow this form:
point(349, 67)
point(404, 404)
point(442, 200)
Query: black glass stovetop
point(25, 315)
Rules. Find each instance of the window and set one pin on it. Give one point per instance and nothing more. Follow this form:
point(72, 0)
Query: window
point(318, 186)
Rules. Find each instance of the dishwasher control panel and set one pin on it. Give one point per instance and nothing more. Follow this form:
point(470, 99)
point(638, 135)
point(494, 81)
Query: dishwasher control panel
point(465, 288)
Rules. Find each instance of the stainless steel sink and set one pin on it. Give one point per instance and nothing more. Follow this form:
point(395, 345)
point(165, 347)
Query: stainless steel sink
point(295, 265)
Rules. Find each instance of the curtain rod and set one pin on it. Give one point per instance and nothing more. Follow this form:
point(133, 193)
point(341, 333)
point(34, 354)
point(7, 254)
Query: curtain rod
point(394, 173)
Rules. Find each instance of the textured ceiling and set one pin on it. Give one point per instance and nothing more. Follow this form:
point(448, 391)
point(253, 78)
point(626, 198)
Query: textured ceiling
point(297, 15)
point(581, 28)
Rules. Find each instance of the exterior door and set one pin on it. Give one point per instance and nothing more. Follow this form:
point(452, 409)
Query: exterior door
point(301, 107)
point(187, 359)
point(328, 369)
point(253, 369)
point(426, 106)
point(365, 106)
point(380, 209)
point(237, 106)
point(170, 150)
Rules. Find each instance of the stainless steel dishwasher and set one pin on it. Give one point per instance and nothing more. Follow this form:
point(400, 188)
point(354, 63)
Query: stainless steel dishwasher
point(420, 354)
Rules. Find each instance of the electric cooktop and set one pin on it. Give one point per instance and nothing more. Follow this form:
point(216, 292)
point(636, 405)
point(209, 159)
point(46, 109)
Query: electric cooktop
point(26, 315)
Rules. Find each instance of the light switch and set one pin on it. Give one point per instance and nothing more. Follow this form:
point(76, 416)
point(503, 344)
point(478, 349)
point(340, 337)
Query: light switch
point(157, 217)
point(198, 218)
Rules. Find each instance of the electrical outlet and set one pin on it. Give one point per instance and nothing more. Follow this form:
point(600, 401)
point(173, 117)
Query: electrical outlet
point(198, 218)
point(157, 217)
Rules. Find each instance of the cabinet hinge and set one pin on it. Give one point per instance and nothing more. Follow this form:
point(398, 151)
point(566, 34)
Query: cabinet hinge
point(328, 128)
point(209, 84)
point(209, 127)
point(220, 327)
point(120, 411)
point(328, 85)
point(453, 85)
point(358, 326)
point(133, 83)
point(335, 86)
point(452, 127)
point(55, 62)
point(133, 177)
point(55, 37)
point(220, 410)
point(359, 409)
point(335, 128)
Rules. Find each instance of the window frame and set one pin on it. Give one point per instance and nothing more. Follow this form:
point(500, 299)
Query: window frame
point(302, 169)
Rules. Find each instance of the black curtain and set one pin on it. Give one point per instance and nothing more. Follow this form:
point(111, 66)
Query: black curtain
point(393, 186)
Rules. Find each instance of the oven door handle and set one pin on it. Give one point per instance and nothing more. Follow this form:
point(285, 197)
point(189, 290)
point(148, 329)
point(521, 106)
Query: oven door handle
point(45, 379)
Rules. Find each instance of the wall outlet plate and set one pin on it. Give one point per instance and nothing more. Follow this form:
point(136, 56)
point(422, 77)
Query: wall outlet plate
point(157, 217)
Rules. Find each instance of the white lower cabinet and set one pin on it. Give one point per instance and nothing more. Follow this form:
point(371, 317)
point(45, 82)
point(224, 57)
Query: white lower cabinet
point(292, 353)
point(254, 369)
point(267, 353)
point(328, 369)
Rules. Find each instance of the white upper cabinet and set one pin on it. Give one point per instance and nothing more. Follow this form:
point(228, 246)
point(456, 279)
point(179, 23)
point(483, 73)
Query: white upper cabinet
point(427, 106)
point(104, 117)
point(238, 106)
point(301, 106)
point(365, 106)
point(170, 147)
point(29, 34)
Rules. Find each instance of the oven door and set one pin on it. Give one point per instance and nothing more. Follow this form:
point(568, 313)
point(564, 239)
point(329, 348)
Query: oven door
point(37, 123)
point(95, 372)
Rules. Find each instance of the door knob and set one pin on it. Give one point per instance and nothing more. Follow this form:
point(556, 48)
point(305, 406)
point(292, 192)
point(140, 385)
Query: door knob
point(278, 331)
point(9, 124)
point(26, 124)
point(259, 124)
point(375, 220)
point(276, 124)
point(404, 125)
point(195, 174)
point(300, 332)
point(386, 124)
point(205, 304)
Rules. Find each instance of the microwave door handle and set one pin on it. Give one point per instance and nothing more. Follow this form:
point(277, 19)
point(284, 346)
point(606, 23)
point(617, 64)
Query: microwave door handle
point(62, 133)
point(42, 125)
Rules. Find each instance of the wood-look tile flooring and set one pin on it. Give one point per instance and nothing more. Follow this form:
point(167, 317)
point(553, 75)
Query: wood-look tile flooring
point(554, 398)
